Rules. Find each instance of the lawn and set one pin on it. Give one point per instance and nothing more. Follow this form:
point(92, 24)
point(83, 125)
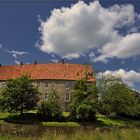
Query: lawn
point(110, 121)
point(67, 124)
point(3, 116)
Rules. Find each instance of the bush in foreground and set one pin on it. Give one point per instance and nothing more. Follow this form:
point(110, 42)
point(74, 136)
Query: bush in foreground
point(49, 110)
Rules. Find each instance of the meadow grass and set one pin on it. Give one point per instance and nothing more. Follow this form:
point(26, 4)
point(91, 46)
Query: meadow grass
point(97, 134)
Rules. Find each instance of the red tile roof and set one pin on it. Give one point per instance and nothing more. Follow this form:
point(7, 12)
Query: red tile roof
point(54, 71)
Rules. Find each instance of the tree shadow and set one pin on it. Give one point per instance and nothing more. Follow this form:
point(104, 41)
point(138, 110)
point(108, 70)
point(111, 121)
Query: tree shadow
point(25, 118)
point(93, 124)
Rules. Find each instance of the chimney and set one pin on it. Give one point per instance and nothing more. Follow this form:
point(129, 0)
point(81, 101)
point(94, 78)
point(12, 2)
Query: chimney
point(62, 61)
point(35, 62)
point(21, 63)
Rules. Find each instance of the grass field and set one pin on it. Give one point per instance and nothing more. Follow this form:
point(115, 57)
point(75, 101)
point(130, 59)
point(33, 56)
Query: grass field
point(114, 134)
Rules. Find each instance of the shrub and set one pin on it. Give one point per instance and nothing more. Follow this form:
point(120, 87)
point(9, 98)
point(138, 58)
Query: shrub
point(49, 110)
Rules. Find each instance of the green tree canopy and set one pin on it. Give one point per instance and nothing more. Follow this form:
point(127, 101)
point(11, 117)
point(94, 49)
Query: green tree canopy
point(19, 95)
point(83, 105)
point(117, 98)
point(105, 82)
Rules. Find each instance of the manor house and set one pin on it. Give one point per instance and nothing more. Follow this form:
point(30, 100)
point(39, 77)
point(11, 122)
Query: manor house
point(60, 76)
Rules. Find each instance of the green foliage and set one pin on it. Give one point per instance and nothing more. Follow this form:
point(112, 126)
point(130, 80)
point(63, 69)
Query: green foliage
point(19, 95)
point(105, 83)
point(118, 99)
point(50, 109)
point(82, 107)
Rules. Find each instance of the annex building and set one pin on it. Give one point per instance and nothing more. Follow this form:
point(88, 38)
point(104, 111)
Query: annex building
point(60, 76)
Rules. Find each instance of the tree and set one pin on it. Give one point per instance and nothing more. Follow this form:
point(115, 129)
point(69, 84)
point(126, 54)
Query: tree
point(82, 107)
point(118, 99)
point(105, 82)
point(19, 95)
point(135, 109)
point(50, 109)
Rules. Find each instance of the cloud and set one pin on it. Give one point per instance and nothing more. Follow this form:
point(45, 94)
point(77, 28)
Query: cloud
point(54, 60)
point(0, 46)
point(17, 53)
point(16, 61)
point(129, 77)
point(125, 47)
point(53, 55)
point(14, 53)
point(71, 32)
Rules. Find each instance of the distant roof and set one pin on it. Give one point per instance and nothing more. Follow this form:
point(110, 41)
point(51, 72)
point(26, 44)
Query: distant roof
point(52, 71)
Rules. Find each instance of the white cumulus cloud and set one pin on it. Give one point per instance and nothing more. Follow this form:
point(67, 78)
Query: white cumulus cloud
point(71, 32)
point(125, 47)
point(129, 77)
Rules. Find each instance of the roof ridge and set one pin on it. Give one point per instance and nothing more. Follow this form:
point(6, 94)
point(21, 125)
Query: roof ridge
point(44, 64)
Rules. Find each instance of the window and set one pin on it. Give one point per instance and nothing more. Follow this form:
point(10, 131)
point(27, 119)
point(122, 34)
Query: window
point(38, 84)
point(46, 96)
point(67, 84)
point(67, 97)
point(46, 84)
point(3, 84)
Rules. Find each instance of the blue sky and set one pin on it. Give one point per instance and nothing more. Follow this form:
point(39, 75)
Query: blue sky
point(104, 33)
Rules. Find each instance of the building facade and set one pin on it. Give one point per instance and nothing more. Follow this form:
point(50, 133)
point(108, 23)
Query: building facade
point(57, 76)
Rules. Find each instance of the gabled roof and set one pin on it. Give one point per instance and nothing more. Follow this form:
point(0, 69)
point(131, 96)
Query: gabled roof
point(52, 71)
